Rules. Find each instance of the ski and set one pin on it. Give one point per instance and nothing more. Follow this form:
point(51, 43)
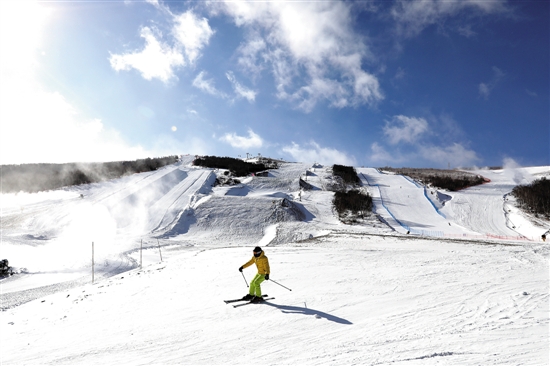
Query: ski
point(250, 302)
point(237, 300)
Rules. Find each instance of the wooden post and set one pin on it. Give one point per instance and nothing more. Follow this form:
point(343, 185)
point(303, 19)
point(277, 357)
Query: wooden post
point(92, 262)
point(159, 250)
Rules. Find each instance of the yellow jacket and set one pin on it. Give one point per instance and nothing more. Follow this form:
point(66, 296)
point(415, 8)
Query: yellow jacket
point(261, 262)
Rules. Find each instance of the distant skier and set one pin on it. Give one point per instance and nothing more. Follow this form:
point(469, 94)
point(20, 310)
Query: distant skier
point(5, 268)
point(262, 263)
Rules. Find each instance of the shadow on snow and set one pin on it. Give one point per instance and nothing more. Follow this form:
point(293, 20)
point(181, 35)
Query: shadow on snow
point(286, 309)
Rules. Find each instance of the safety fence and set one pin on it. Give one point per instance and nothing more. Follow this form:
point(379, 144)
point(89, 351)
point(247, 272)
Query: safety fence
point(427, 233)
point(492, 237)
point(441, 234)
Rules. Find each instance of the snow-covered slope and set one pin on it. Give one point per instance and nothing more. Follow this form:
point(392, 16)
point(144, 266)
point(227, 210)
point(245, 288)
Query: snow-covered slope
point(484, 208)
point(405, 202)
point(362, 294)
point(354, 300)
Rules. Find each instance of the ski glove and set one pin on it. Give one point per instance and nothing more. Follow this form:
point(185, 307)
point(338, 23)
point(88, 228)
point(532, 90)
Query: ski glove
point(240, 269)
point(267, 277)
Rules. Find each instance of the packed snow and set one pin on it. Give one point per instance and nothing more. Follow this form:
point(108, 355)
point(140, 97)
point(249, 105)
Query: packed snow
point(431, 277)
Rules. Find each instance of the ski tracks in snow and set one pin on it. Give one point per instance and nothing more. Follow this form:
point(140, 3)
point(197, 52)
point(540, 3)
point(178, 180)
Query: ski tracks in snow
point(406, 204)
point(481, 209)
point(462, 302)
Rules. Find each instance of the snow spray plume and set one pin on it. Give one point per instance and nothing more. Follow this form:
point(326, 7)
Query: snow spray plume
point(513, 171)
point(40, 177)
point(71, 249)
point(59, 227)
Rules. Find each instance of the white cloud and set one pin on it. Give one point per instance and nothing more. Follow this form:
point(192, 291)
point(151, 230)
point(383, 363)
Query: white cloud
point(314, 153)
point(399, 74)
point(192, 33)
point(322, 88)
point(413, 16)
point(156, 60)
point(422, 142)
point(455, 155)
point(39, 126)
point(253, 140)
point(365, 86)
point(207, 85)
point(311, 49)
point(405, 129)
point(160, 60)
point(53, 131)
point(240, 90)
point(250, 54)
point(21, 25)
point(168, 144)
point(485, 89)
point(531, 93)
point(153, 2)
point(466, 31)
point(380, 155)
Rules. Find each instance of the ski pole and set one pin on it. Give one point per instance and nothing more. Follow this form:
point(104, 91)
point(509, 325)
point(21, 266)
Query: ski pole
point(245, 280)
point(280, 284)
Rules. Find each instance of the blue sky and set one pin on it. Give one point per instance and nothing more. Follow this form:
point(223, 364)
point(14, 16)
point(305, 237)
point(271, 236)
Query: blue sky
point(373, 83)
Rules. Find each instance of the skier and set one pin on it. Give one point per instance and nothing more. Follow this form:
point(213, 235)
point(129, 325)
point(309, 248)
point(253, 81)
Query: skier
point(262, 263)
point(4, 267)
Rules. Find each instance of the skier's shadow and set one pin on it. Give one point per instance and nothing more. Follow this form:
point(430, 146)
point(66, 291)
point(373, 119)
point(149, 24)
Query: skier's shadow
point(302, 310)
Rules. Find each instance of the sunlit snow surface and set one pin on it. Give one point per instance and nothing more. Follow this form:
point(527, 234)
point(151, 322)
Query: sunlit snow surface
point(363, 294)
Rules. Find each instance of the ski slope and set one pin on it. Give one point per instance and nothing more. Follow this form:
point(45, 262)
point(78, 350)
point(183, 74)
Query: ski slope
point(54, 231)
point(352, 302)
point(484, 209)
point(404, 203)
point(366, 294)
